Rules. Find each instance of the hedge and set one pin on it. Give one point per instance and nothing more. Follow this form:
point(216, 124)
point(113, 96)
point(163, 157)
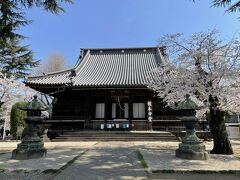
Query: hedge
point(17, 118)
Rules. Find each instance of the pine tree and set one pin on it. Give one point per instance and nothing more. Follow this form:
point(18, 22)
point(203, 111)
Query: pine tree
point(52, 6)
point(231, 6)
point(15, 59)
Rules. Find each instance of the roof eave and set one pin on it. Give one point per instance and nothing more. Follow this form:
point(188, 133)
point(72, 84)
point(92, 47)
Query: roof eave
point(142, 86)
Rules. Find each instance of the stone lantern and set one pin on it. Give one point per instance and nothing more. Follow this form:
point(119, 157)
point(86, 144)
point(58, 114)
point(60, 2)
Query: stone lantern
point(191, 147)
point(31, 145)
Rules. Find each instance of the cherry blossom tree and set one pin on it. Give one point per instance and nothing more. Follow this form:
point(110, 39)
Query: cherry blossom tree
point(11, 91)
point(207, 69)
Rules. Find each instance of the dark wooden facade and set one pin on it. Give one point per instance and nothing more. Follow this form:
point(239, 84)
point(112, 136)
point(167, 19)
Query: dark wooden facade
point(107, 90)
point(76, 109)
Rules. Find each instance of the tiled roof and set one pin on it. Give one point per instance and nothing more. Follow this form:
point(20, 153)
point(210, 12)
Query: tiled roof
point(107, 67)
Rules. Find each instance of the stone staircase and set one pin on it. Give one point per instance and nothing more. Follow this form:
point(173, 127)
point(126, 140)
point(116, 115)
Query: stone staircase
point(115, 136)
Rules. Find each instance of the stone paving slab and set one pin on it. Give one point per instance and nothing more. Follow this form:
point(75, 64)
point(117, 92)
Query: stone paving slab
point(166, 161)
point(107, 161)
point(58, 155)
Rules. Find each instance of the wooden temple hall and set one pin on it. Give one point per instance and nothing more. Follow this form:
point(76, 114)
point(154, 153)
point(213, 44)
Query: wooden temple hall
point(107, 89)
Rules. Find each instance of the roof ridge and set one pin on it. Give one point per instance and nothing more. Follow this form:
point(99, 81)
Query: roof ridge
point(124, 48)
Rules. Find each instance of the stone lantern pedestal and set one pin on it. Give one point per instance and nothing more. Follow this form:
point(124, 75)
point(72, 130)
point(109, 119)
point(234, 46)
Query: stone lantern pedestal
point(44, 136)
point(192, 147)
point(31, 145)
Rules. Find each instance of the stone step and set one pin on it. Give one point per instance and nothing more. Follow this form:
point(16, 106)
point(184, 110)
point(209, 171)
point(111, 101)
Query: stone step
point(116, 132)
point(112, 139)
point(115, 136)
point(90, 137)
point(120, 135)
point(108, 135)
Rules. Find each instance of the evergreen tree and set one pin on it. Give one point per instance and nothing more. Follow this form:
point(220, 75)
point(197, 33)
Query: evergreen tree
point(231, 6)
point(53, 6)
point(17, 118)
point(15, 59)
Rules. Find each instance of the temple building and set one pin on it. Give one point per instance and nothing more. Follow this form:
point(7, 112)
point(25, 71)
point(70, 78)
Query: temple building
point(107, 89)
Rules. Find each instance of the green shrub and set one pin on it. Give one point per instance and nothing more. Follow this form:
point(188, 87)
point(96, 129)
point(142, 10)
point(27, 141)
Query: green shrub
point(17, 118)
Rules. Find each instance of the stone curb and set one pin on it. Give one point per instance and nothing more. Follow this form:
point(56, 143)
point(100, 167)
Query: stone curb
point(183, 171)
point(21, 170)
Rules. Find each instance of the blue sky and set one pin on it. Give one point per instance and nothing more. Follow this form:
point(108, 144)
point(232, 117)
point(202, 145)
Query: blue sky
point(121, 23)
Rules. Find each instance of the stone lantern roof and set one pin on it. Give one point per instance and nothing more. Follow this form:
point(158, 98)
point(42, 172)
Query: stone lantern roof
point(187, 104)
point(34, 105)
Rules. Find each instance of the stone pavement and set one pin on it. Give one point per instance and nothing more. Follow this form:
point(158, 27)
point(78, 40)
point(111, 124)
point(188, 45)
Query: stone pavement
point(54, 160)
point(113, 160)
point(108, 160)
point(58, 155)
point(165, 160)
point(160, 157)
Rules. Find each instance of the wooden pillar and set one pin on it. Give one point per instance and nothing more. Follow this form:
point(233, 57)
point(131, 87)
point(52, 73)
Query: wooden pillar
point(130, 112)
point(106, 102)
point(87, 113)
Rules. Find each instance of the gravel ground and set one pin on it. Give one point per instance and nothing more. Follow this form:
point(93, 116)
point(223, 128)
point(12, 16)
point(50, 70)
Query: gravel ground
point(110, 160)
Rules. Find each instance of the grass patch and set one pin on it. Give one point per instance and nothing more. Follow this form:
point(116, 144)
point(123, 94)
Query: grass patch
point(141, 159)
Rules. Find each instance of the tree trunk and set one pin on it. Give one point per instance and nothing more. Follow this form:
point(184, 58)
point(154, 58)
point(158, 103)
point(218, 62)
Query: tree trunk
point(221, 143)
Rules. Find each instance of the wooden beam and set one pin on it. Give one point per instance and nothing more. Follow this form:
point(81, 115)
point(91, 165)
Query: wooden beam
point(130, 112)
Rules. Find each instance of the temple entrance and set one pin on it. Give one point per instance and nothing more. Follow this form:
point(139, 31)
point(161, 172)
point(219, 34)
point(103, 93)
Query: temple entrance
point(119, 113)
point(119, 116)
point(119, 110)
